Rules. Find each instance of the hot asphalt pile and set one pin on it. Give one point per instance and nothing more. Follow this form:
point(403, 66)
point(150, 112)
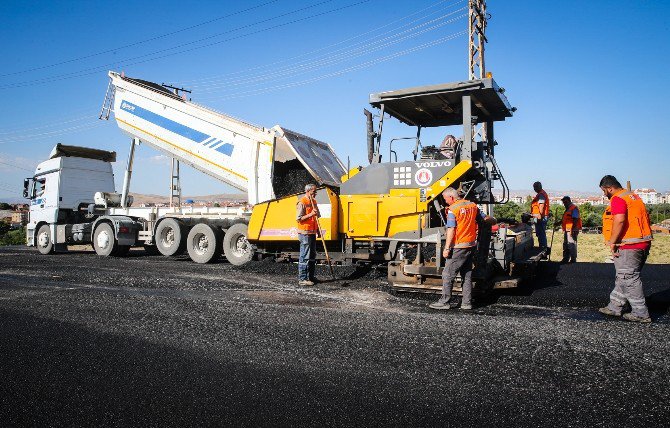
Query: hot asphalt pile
point(166, 342)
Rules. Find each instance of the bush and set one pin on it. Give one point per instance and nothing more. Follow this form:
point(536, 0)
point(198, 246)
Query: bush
point(13, 237)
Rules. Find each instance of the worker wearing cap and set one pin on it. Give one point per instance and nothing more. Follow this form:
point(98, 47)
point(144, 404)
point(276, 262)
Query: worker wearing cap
point(571, 225)
point(539, 209)
point(627, 233)
point(463, 218)
point(308, 224)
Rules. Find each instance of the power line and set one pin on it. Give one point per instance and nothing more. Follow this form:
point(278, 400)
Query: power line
point(331, 59)
point(292, 59)
point(130, 45)
point(93, 70)
point(52, 133)
point(346, 70)
point(15, 166)
point(47, 126)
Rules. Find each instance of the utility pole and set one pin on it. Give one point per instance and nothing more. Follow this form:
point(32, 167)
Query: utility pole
point(476, 40)
point(477, 18)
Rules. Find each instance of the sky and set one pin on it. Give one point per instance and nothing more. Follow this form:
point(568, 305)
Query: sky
point(587, 78)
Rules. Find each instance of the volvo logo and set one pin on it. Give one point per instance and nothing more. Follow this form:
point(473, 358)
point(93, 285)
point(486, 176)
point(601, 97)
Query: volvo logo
point(432, 164)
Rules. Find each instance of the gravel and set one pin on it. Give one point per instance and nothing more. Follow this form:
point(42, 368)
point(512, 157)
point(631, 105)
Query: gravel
point(151, 341)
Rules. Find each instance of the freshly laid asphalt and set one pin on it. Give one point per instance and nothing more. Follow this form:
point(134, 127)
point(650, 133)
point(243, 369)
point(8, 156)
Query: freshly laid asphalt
point(151, 341)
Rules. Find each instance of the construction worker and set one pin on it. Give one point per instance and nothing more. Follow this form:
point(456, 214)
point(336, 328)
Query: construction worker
point(571, 225)
point(539, 209)
point(307, 217)
point(627, 233)
point(460, 245)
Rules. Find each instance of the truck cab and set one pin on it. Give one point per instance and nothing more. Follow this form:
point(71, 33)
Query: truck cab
point(62, 189)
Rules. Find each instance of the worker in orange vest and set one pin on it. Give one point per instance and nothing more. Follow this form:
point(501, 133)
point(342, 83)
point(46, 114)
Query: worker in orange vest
point(627, 233)
point(308, 224)
point(463, 219)
point(539, 209)
point(571, 225)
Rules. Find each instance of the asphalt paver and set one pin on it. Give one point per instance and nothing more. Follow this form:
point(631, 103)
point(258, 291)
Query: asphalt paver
point(153, 341)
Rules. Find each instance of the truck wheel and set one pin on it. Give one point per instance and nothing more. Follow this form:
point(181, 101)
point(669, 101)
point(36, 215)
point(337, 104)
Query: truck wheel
point(44, 240)
point(236, 248)
point(170, 237)
point(104, 242)
point(204, 243)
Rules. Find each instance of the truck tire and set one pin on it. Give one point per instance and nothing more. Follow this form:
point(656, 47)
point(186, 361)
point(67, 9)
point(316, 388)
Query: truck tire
point(170, 237)
point(104, 241)
point(236, 248)
point(204, 243)
point(44, 241)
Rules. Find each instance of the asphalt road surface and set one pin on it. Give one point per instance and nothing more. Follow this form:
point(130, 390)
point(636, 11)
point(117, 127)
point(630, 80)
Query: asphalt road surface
point(150, 341)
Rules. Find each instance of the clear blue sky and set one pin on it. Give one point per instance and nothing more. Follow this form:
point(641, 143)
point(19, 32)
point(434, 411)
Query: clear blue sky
point(588, 78)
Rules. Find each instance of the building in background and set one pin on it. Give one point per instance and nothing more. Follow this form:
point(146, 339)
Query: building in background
point(20, 217)
point(649, 196)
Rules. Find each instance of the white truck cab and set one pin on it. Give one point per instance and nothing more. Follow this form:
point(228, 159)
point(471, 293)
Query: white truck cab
point(61, 191)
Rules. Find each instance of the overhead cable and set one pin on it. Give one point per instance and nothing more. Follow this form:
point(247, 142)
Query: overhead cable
point(130, 45)
point(126, 62)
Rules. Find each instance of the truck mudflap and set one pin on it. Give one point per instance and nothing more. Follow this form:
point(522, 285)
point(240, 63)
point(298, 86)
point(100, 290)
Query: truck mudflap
point(125, 228)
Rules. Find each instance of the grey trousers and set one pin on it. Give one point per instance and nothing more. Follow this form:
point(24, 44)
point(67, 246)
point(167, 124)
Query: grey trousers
point(460, 262)
point(569, 246)
point(628, 285)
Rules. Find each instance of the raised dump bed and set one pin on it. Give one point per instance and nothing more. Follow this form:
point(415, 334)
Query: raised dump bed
point(263, 162)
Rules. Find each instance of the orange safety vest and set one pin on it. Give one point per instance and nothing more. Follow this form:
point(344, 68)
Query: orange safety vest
point(567, 218)
point(637, 227)
point(466, 213)
point(309, 225)
point(535, 205)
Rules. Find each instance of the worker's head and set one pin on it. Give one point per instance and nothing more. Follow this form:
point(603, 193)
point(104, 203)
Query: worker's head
point(609, 185)
point(450, 195)
point(537, 186)
point(310, 189)
point(566, 201)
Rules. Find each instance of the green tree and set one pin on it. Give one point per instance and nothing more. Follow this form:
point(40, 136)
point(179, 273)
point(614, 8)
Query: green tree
point(509, 210)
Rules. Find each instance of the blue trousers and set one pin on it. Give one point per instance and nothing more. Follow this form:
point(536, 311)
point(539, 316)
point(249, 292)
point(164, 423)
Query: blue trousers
point(307, 260)
point(541, 232)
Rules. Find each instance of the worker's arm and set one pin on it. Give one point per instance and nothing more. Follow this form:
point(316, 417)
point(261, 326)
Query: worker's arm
point(490, 220)
point(617, 229)
point(300, 215)
point(540, 206)
point(449, 242)
point(574, 231)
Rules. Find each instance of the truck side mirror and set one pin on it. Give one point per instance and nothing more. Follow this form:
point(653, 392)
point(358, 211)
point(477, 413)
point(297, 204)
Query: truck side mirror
point(26, 183)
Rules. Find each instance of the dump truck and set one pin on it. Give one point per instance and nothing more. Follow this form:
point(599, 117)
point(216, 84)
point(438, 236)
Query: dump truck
point(388, 212)
point(73, 197)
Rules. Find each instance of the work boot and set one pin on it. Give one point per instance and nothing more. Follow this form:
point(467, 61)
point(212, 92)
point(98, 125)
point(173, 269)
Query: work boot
point(315, 280)
point(440, 305)
point(305, 283)
point(466, 306)
point(564, 261)
point(607, 311)
point(630, 317)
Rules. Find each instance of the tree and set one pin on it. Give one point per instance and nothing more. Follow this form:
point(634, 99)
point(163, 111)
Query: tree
point(509, 210)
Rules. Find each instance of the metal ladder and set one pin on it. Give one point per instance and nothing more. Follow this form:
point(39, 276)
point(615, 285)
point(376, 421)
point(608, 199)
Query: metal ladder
point(175, 186)
point(108, 103)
